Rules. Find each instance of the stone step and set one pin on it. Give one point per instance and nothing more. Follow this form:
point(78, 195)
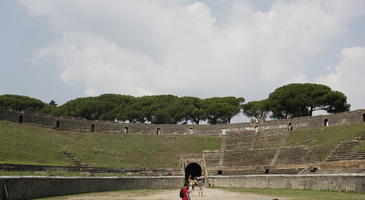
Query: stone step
point(339, 157)
point(76, 161)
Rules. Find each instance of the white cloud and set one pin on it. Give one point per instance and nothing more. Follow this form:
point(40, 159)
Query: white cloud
point(163, 46)
point(91, 92)
point(348, 76)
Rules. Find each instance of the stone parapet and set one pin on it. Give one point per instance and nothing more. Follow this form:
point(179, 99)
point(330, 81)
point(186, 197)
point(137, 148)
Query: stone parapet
point(79, 124)
point(32, 187)
point(334, 182)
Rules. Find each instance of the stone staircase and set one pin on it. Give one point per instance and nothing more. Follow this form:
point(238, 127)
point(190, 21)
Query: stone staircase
point(76, 161)
point(249, 139)
point(248, 157)
point(347, 151)
point(302, 155)
point(213, 158)
point(248, 152)
point(360, 136)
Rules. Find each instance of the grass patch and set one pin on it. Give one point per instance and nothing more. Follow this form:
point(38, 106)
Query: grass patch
point(25, 144)
point(303, 194)
point(140, 150)
point(329, 136)
point(360, 147)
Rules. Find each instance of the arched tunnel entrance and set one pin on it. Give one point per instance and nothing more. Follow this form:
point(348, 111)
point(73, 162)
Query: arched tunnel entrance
point(194, 170)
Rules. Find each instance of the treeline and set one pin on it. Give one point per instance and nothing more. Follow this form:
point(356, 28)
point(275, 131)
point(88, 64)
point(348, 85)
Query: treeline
point(297, 100)
point(293, 100)
point(159, 109)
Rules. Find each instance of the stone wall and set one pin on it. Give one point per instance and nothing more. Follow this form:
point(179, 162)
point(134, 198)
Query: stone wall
point(335, 182)
point(93, 170)
point(338, 167)
point(78, 124)
point(39, 187)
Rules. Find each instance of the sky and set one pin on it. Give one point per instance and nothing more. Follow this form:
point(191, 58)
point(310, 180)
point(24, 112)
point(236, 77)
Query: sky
point(61, 50)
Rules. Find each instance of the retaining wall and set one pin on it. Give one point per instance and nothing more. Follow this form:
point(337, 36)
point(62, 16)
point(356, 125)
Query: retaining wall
point(139, 171)
point(79, 124)
point(39, 187)
point(335, 182)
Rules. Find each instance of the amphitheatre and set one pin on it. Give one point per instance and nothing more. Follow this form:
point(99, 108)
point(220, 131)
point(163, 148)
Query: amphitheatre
point(325, 152)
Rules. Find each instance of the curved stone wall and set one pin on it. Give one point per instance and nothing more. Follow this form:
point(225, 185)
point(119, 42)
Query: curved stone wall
point(79, 124)
point(332, 182)
point(17, 188)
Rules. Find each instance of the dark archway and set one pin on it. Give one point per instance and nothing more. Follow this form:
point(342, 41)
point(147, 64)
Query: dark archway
point(92, 128)
point(58, 124)
point(20, 120)
point(194, 170)
point(158, 131)
point(290, 127)
point(325, 123)
point(363, 117)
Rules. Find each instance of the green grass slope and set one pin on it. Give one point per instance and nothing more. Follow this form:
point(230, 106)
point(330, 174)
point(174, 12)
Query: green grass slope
point(329, 136)
point(25, 144)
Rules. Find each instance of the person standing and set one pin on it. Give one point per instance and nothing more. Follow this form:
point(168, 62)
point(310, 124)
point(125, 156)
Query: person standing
point(190, 185)
point(185, 191)
point(200, 185)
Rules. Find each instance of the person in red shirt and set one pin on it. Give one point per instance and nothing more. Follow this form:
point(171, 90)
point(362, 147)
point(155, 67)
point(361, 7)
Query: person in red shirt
point(185, 190)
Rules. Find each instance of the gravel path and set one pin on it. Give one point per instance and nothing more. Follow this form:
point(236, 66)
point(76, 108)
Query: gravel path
point(209, 194)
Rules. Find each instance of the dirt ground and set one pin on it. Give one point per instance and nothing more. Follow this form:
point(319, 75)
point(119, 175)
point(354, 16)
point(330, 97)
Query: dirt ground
point(209, 194)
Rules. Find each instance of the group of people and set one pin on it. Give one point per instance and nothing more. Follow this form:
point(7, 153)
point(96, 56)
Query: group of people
point(193, 187)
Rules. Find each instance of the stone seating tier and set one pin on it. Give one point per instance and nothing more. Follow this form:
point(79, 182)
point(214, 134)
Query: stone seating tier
point(347, 151)
point(212, 159)
point(301, 155)
point(237, 141)
point(248, 157)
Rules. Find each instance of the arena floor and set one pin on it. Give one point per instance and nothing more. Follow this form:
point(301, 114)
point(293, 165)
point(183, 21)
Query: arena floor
point(208, 194)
